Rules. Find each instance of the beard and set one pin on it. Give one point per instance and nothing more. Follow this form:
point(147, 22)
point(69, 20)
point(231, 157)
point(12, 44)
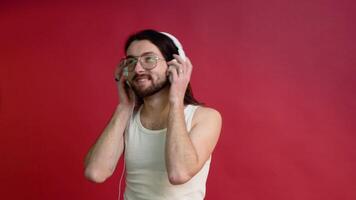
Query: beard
point(152, 89)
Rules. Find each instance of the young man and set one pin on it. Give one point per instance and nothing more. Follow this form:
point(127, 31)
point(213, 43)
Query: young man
point(166, 136)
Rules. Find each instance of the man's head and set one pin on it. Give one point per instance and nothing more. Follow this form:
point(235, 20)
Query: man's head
point(149, 75)
point(146, 68)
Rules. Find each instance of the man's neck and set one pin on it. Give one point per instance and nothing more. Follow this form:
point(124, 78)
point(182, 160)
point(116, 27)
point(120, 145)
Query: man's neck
point(156, 105)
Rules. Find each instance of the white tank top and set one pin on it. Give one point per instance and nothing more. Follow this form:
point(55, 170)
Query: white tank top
point(146, 174)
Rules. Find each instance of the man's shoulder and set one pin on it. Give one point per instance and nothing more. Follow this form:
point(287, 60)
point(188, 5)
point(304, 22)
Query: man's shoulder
point(205, 114)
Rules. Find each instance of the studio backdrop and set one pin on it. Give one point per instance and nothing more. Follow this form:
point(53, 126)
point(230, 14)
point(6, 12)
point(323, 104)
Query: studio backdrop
point(281, 72)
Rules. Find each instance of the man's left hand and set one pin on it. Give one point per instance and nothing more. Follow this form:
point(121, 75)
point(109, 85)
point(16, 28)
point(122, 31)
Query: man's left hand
point(179, 72)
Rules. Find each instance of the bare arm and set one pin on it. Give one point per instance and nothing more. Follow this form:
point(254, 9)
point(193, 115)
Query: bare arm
point(101, 160)
point(186, 152)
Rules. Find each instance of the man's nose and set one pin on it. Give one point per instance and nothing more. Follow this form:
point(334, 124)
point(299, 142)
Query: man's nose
point(138, 68)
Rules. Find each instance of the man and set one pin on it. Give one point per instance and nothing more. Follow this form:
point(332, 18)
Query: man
point(166, 136)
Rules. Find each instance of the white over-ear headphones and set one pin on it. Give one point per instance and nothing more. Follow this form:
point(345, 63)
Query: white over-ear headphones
point(177, 43)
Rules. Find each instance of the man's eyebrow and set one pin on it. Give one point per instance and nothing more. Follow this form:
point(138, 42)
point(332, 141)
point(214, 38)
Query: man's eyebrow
point(143, 54)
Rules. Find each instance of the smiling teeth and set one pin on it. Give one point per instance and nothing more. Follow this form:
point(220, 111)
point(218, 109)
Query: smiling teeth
point(142, 79)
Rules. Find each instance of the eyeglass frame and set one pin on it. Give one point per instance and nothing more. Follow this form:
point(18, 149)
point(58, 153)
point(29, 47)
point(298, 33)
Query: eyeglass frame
point(138, 59)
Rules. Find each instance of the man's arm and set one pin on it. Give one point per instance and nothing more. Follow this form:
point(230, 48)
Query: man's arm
point(102, 158)
point(186, 152)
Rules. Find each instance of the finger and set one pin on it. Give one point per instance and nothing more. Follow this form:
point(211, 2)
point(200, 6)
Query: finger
point(181, 61)
point(189, 68)
point(120, 80)
point(177, 66)
point(172, 73)
point(118, 72)
point(119, 77)
point(178, 69)
point(179, 58)
point(173, 62)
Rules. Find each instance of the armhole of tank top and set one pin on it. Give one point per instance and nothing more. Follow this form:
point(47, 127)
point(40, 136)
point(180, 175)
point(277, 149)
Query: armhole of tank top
point(191, 111)
point(132, 119)
point(189, 125)
point(128, 125)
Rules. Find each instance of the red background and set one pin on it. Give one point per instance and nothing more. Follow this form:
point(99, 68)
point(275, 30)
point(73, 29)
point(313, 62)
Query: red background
point(282, 74)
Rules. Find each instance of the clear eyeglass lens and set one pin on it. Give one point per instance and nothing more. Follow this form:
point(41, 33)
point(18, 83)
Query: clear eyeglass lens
point(147, 62)
point(130, 63)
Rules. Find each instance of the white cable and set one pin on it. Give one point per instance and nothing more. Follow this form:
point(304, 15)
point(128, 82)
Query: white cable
point(122, 175)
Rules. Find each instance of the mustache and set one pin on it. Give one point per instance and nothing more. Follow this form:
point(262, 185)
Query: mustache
point(135, 77)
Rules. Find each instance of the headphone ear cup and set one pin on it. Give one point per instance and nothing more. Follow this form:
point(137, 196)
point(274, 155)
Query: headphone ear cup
point(126, 72)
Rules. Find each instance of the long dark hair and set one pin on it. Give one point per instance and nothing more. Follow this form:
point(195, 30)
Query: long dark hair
point(167, 48)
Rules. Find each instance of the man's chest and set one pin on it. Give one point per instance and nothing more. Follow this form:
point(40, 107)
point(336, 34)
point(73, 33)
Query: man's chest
point(153, 123)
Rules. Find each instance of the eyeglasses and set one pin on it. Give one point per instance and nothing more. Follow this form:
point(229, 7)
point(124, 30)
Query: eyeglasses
point(147, 62)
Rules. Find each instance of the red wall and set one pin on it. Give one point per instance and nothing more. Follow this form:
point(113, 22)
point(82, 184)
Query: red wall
point(282, 73)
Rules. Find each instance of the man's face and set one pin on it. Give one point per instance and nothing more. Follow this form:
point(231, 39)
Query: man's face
point(147, 82)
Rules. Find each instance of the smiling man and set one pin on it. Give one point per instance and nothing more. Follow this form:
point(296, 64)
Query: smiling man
point(166, 136)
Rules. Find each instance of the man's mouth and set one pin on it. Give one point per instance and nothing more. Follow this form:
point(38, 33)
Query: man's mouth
point(142, 79)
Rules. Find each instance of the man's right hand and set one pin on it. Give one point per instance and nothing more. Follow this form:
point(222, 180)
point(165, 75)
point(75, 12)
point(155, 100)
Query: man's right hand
point(126, 95)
